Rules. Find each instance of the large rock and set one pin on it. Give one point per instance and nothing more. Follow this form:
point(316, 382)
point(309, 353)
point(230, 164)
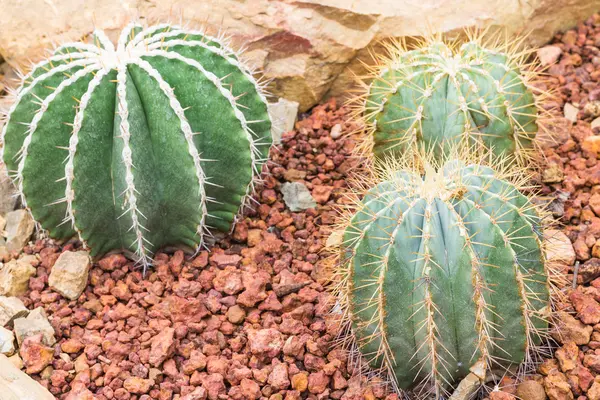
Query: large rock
point(14, 276)
point(303, 45)
point(17, 385)
point(7, 342)
point(36, 323)
point(11, 308)
point(69, 274)
point(8, 198)
point(19, 228)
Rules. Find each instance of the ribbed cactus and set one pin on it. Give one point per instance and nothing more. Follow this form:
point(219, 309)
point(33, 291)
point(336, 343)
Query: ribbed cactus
point(147, 144)
point(440, 94)
point(443, 271)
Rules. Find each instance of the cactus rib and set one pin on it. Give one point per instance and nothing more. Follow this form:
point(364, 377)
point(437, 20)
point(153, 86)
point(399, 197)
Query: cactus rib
point(154, 142)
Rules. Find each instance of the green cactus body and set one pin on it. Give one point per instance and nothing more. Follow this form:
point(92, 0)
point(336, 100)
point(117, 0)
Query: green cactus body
point(439, 96)
point(148, 144)
point(443, 272)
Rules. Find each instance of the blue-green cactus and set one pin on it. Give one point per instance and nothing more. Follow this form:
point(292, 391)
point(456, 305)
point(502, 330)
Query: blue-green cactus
point(443, 271)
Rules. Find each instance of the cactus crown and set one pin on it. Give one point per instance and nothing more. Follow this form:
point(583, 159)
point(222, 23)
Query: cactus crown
point(139, 146)
point(441, 93)
point(442, 271)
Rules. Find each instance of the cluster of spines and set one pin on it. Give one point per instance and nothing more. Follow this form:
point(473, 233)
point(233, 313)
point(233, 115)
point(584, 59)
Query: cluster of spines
point(367, 102)
point(98, 60)
point(374, 347)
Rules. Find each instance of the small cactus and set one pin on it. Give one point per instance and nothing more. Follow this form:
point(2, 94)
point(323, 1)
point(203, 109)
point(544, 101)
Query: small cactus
point(441, 272)
point(440, 94)
point(148, 144)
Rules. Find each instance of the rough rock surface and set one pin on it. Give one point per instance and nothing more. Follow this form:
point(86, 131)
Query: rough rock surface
point(304, 46)
point(16, 385)
point(69, 275)
point(11, 308)
point(15, 274)
point(19, 228)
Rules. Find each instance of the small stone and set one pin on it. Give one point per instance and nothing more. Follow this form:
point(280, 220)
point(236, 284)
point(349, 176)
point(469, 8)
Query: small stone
point(72, 346)
point(162, 346)
point(549, 54)
point(19, 228)
point(593, 392)
point(11, 308)
point(35, 354)
point(557, 387)
point(588, 309)
point(336, 131)
point(278, 378)
point(228, 281)
point(317, 382)
point(559, 249)
point(14, 277)
point(69, 275)
point(591, 144)
point(35, 323)
point(7, 342)
point(569, 328)
point(300, 382)
point(250, 389)
point(297, 197)
point(322, 193)
point(236, 314)
point(137, 385)
point(553, 173)
point(592, 109)
point(199, 393)
point(595, 123)
point(501, 395)
point(283, 117)
point(570, 112)
point(265, 342)
point(567, 356)
point(292, 175)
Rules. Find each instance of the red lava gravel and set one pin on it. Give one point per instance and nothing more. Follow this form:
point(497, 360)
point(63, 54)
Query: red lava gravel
point(245, 321)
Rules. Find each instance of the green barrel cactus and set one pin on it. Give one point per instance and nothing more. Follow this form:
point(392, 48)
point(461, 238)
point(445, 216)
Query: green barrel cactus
point(152, 143)
point(442, 272)
point(439, 94)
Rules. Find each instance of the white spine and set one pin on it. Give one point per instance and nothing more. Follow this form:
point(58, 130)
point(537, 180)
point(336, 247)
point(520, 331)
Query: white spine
point(36, 119)
point(226, 93)
point(73, 141)
point(224, 52)
point(189, 137)
point(130, 191)
point(125, 34)
point(150, 31)
point(80, 47)
point(104, 40)
point(24, 91)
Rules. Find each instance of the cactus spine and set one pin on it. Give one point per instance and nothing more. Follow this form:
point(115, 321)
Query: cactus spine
point(139, 146)
point(440, 94)
point(443, 271)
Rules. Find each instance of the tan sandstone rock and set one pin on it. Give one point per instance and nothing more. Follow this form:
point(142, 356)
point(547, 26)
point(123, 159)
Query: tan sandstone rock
point(14, 276)
point(308, 47)
point(16, 385)
point(69, 273)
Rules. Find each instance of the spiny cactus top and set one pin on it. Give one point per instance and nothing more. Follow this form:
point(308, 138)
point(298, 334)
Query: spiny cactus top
point(441, 93)
point(442, 272)
point(139, 146)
